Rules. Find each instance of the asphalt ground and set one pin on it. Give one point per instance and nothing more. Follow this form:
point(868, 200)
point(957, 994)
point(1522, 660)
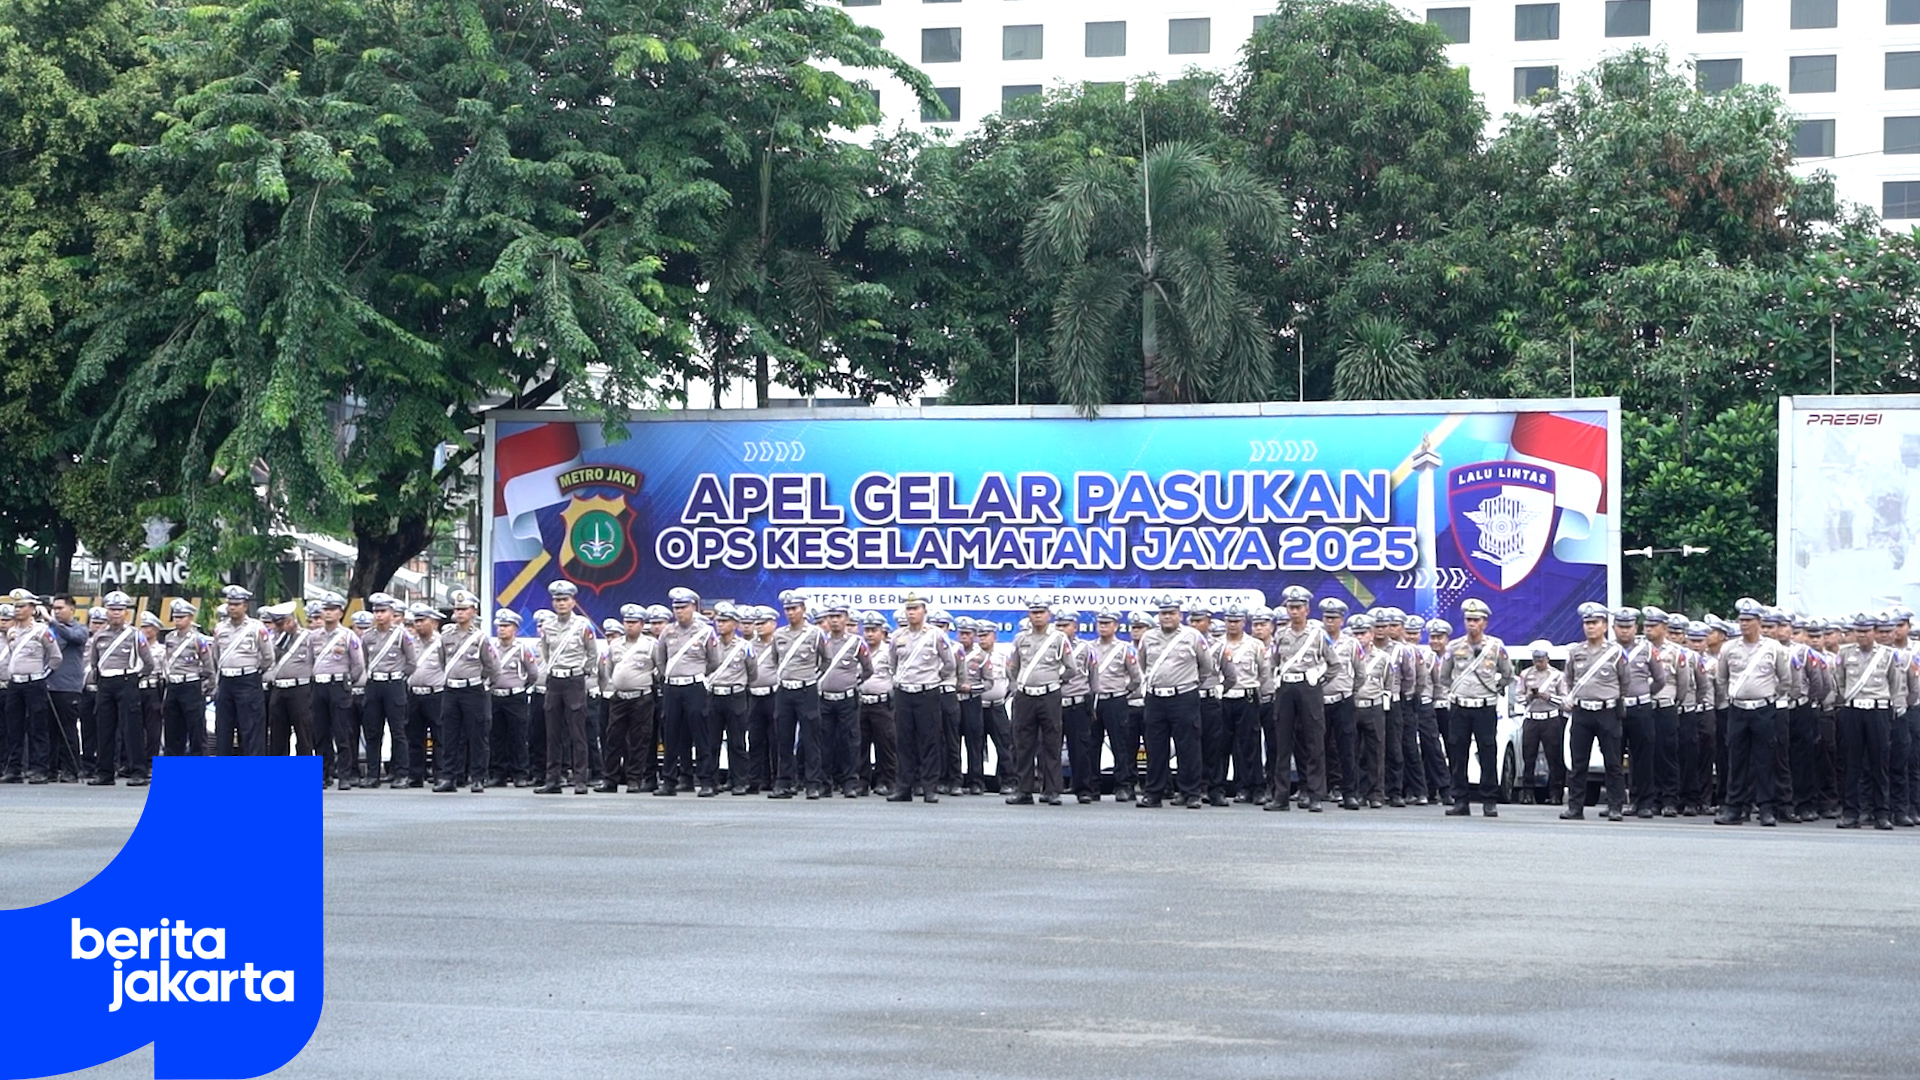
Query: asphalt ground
point(632, 936)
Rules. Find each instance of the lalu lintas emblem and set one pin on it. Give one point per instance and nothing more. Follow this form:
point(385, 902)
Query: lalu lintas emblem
point(1504, 513)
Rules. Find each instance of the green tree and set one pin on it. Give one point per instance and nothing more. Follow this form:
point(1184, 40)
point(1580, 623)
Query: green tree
point(1379, 362)
point(73, 82)
point(381, 220)
point(1373, 140)
point(1709, 487)
point(957, 290)
point(1155, 241)
point(1650, 220)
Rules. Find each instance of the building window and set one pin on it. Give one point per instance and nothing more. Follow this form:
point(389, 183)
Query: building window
point(1260, 21)
point(1106, 39)
point(1900, 199)
point(1113, 89)
point(1022, 42)
point(940, 45)
point(1186, 37)
point(1714, 76)
point(950, 97)
point(1903, 71)
point(1903, 12)
point(1811, 74)
point(1815, 14)
point(1536, 22)
point(1813, 138)
point(1902, 135)
point(1009, 94)
point(1455, 22)
point(1720, 17)
point(1529, 81)
point(859, 3)
point(1629, 18)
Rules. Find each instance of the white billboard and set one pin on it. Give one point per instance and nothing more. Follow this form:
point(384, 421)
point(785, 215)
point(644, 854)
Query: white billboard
point(1849, 503)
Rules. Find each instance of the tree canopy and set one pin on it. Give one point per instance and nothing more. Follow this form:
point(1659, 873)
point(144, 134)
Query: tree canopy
point(266, 265)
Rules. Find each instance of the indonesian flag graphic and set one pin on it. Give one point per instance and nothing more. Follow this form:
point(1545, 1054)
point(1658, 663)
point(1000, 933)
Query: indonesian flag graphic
point(527, 468)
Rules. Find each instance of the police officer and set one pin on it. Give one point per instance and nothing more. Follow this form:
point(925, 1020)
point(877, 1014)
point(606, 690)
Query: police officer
point(1811, 685)
point(876, 711)
point(797, 660)
point(1416, 704)
point(63, 686)
point(760, 712)
point(632, 699)
point(727, 704)
point(360, 622)
point(1246, 665)
point(1597, 669)
point(89, 691)
point(1826, 635)
point(1389, 629)
point(686, 653)
point(1697, 713)
point(1342, 752)
point(338, 666)
point(426, 684)
point(150, 684)
point(1127, 777)
point(1433, 735)
point(566, 654)
point(1076, 708)
point(993, 706)
point(469, 663)
point(922, 659)
point(1666, 710)
point(1542, 689)
point(1302, 659)
point(1476, 672)
point(848, 665)
point(242, 650)
point(1216, 742)
point(187, 678)
point(391, 653)
point(537, 706)
point(1114, 678)
point(1752, 669)
point(950, 780)
point(1372, 678)
point(289, 695)
point(1036, 667)
point(1173, 659)
point(1646, 677)
point(1776, 623)
point(33, 654)
point(120, 656)
point(1872, 692)
point(972, 673)
point(1903, 760)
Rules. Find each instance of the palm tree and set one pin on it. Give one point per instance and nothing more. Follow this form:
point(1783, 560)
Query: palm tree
point(1155, 239)
point(1378, 362)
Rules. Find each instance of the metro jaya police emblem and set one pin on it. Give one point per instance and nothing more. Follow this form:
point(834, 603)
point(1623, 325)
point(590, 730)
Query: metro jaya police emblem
point(595, 549)
point(1503, 518)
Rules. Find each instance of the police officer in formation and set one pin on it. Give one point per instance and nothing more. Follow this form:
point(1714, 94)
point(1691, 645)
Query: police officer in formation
point(1771, 717)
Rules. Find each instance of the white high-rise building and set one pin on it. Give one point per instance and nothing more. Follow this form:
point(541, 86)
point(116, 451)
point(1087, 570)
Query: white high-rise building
point(1850, 68)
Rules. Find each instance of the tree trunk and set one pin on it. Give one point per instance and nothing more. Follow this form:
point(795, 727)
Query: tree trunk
point(386, 546)
point(1152, 390)
point(66, 539)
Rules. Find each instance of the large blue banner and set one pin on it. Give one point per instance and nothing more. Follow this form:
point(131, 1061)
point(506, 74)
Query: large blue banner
point(1416, 509)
